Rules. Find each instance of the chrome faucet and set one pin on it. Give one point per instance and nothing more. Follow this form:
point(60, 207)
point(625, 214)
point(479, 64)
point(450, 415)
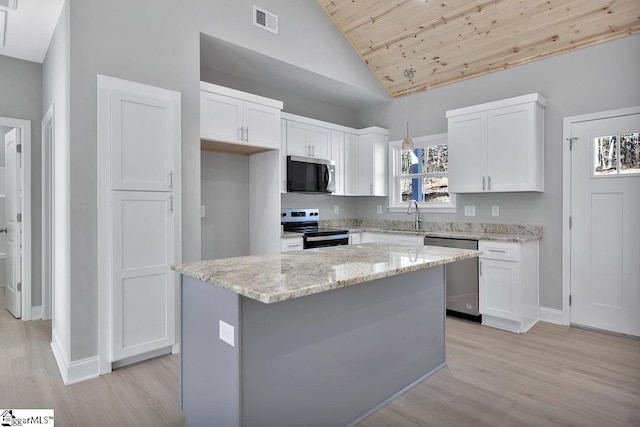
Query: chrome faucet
point(418, 220)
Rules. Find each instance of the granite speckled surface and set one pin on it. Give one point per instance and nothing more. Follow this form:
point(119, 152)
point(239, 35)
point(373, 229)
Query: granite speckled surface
point(279, 277)
point(453, 230)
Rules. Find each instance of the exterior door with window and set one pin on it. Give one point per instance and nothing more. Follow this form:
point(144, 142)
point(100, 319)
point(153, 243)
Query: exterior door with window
point(605, 229)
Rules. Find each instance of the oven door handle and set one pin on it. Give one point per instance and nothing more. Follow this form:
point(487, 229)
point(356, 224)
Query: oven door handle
point(323, 238)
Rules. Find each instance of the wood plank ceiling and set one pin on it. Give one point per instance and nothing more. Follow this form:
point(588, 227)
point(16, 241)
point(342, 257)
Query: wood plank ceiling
point(445, 41)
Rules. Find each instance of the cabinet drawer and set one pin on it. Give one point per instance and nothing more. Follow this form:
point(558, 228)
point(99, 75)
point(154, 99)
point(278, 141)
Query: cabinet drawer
point(499, 250)
point(291, 244)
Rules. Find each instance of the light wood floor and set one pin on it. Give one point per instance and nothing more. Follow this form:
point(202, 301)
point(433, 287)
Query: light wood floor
point(552, 375)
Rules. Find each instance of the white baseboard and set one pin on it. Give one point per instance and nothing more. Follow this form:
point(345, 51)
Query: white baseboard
point(76, 371)
point(36, 312)
point(550, 315)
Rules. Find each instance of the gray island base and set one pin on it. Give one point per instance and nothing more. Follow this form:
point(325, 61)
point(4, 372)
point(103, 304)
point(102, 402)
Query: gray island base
point(329, 358)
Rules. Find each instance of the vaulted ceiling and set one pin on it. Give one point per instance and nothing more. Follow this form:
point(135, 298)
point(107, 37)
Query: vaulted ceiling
point(444, 41)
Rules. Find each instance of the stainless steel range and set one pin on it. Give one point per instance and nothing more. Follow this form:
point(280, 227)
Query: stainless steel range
point(306, 221)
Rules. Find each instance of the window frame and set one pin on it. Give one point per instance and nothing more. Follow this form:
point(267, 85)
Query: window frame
point(395, 167)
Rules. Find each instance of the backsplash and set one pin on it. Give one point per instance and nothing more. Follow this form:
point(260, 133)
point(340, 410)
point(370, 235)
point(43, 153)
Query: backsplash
point(520, 229)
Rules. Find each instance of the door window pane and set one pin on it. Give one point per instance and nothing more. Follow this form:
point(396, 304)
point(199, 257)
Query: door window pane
point(605, 155)
point(616, 154)
point(630, 153)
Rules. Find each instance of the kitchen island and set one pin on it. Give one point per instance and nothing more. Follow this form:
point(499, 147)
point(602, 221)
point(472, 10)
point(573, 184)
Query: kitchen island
point(317, 337)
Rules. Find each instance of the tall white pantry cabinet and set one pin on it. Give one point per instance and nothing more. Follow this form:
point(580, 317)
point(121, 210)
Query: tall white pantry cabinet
point(139, 219)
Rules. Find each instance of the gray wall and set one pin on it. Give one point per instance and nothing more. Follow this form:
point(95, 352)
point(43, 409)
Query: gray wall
point(157, 43)
point(598, 78)
point(225, 196)
point(21, 98)
point(347, 206)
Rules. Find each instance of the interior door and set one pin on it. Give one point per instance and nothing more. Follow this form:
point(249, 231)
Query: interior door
point(605, 231)
point(14, 228)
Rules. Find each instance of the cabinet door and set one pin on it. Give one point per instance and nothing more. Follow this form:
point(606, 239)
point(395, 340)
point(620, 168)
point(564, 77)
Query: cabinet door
point(143, 316)
point(380, 163)
point(511, 148)
point(143, 130)
point(467, 153)
point(221, 117)
point(298, 141)
point(500, 289)
point(261, 125)
point(365, 165)
point(320, 140)
point(351, 164)
point(337, 152)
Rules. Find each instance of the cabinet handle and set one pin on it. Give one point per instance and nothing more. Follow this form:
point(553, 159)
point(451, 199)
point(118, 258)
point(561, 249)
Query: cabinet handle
point(483, 180)
point(480, 265)
point(500, 251)
point(313, 151)
point(171, 180)
point(171, 203)
point(246, 135)
point(370, 188)
point(489, 183)
point(241, 133)
point(309, 150)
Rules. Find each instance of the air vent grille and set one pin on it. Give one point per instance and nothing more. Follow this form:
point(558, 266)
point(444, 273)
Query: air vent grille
point(265, 20)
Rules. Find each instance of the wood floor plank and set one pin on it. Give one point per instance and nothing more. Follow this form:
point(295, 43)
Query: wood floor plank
point(550, 376)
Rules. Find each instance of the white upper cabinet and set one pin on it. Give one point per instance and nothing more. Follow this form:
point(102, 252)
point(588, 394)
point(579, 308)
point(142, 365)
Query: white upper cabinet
point(337, 150)
point(498, 146)
point(351, 171)
point(307, 140)
point(372, 159)
point(235, 117)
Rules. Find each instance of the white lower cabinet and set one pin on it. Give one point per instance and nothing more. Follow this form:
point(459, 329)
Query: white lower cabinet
point(509, 284)
point(290, 244)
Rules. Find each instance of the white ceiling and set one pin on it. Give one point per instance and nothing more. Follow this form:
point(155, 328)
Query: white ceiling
point(29, 29)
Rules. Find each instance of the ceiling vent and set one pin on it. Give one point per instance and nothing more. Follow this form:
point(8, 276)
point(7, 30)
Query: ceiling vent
point(264, 19)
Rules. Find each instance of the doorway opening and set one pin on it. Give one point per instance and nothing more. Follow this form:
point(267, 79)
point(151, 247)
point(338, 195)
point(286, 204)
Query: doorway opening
point(15, 217)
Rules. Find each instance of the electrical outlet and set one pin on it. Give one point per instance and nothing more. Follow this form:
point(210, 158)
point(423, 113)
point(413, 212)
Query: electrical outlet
point(226, 333)
point(495, 210)
point(470, 210)
point(336, 209)
point(379, 209)
point(202, 211)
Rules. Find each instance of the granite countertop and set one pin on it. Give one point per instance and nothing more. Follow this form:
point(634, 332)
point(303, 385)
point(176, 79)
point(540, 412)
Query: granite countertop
point(451, 230)
point(279, 277)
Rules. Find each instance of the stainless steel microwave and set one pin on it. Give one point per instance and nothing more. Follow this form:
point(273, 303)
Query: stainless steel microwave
point(310, 175)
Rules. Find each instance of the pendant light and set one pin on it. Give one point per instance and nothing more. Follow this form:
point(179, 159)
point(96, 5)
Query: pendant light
point(407, 143)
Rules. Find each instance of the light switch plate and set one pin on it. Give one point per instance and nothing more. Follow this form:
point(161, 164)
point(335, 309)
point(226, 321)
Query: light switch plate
point(495, 210)
point(379, 209)
point(336, 209)
point(202, 211)
point(226, 333)
point(470, 210)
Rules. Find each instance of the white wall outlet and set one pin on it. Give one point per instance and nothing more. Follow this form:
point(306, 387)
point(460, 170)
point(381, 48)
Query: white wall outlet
point(470, 210)
point(379, 209)
point(495, 210)
point(226, 333)
point(202, 211)
point(336, 209)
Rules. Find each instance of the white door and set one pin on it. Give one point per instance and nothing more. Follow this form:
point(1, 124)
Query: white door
point(499, 284)
point(320, 140)
point(467, 153)
point(298, 142)
point(13, 202)
point(605, 231)
point(142, 141)
point(143, 282)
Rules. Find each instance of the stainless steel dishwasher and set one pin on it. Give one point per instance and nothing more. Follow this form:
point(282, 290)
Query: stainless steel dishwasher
point(461, 279)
